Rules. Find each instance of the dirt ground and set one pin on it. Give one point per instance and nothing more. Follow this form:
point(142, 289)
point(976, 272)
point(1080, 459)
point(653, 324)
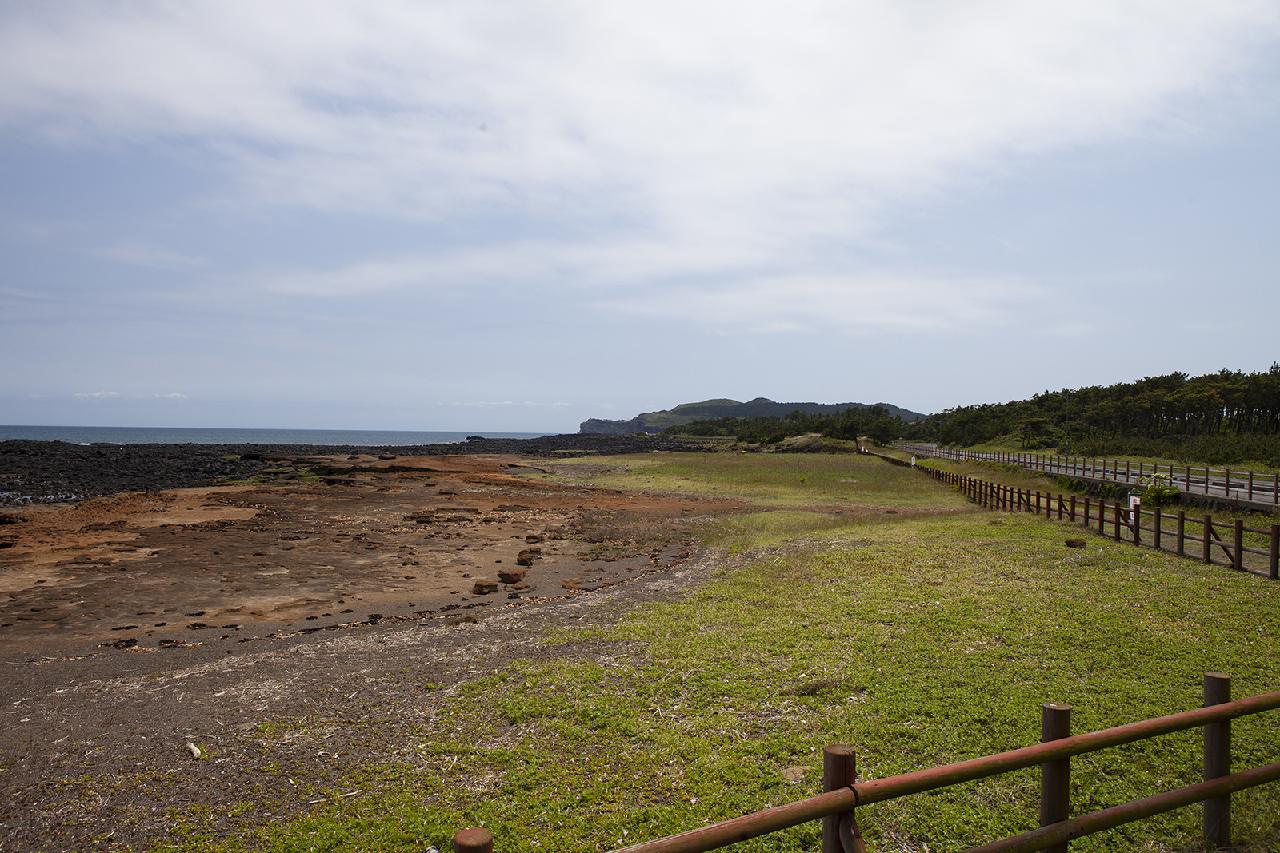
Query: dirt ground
point(133, 624)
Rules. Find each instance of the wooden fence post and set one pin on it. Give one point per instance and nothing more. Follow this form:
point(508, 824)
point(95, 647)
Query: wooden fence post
point(1274, 572)
point(1115, 513)
point(1182, 533)
point(1156, 517)
point(839, 770)
point(1207, 537)
point(1055, 776)
point(1237, 559)
point(472, 841)
point(1135, 515)
point(1073, 508)
point(1217, 762)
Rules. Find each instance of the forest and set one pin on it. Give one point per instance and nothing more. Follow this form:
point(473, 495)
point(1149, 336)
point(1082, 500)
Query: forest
point(1218, 418)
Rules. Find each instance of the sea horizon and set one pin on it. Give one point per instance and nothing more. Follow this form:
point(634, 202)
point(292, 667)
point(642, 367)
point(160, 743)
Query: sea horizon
point(244, 435)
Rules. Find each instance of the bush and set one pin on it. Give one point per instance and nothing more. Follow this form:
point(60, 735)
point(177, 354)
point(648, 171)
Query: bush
point(1158, 490)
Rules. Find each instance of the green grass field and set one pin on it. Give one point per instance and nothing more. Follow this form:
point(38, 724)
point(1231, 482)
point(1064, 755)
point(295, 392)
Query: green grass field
point(920, 637)
point(772, 479)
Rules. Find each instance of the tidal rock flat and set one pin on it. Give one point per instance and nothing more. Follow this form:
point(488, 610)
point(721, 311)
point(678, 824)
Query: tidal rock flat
point(327, 592)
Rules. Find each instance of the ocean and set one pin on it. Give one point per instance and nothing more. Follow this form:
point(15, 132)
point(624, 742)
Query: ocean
point(215, 435)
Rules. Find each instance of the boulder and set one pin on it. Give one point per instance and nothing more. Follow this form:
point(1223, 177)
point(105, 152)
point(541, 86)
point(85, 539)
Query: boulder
point(511, 575)
point(528, 555)
point(484, 586)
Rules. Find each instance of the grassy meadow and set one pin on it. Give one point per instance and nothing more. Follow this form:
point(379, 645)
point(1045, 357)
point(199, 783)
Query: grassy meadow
point(856, 602)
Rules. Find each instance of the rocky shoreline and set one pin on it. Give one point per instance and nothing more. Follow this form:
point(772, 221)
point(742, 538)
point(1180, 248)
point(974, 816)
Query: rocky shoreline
point(58, 472)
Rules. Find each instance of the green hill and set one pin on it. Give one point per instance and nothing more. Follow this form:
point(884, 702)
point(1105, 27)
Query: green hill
point(760, 407)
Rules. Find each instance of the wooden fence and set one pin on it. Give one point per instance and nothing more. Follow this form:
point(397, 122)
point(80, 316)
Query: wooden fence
point(844, 795)
point(1242, 486)
point(1229, 544)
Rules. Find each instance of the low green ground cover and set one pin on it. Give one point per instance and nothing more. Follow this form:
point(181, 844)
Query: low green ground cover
point(771, 479)
point(921, 640)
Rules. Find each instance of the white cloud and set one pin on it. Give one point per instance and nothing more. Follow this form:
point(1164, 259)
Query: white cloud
point(673, 144)
point(150, 257)
point(869, 304)
point(116, 395)
point(755, 111)
point(490, 404)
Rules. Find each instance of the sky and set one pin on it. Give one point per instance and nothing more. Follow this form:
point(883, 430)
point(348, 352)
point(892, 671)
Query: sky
point(474, 215)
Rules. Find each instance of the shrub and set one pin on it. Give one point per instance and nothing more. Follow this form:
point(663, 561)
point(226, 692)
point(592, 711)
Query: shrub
point(1158, 490)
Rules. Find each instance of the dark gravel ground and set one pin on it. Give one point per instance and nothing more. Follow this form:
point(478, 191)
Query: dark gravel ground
point(56, 471)
point(93, 746)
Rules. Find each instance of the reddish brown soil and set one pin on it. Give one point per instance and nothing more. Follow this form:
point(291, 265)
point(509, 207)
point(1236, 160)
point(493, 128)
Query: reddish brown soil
point(345, 601)
point(373, 540)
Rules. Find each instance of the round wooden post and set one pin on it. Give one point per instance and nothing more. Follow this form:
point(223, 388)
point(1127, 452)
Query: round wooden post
point(472, 841)
point(1237, 558)
point(1207, 530)
point(1156, 535)
point(1182, 533)
point(1217, 762)
point(1055, 776)
point(839, 770)
point(1274, 571)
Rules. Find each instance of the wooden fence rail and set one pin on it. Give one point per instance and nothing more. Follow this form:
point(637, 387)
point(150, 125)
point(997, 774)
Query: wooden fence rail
point(1230, 544)
point(1249, 487)
point(844, 794)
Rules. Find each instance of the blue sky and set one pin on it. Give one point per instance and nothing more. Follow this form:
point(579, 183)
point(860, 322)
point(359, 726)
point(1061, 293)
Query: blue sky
point(486, 216)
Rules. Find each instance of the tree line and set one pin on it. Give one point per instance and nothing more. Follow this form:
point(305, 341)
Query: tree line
point(1218, 418)
point(875, 421)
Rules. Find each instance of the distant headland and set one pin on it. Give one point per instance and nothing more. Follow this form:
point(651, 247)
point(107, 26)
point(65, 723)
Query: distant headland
point(653, 422)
